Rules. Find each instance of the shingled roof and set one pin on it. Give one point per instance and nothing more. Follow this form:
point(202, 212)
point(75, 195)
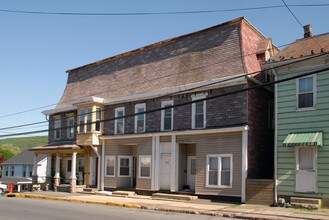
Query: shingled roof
point(26, 157)
point(304, 47)
point(220, 51)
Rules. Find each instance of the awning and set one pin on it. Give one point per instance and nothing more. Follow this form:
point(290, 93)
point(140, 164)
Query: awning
point(303, 139)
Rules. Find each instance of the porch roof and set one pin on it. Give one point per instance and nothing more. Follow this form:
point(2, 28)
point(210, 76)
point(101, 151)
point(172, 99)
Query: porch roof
point(303, 139)
point(56, 147)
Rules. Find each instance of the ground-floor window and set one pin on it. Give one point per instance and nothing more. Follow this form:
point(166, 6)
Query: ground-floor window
point(125, 166)
point(145, 166)
point(110, 166)
point(219, 170)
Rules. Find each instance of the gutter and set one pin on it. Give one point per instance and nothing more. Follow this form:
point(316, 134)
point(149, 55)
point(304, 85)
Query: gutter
point(275, 138)
point(256, 81)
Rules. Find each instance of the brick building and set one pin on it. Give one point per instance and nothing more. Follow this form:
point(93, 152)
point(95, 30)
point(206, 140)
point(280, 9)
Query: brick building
point(168, 117)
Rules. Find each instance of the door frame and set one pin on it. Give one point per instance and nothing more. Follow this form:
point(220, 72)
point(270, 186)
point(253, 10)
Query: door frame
point(315, 165)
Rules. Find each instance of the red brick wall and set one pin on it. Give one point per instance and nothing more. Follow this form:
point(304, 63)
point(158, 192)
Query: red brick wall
point(250, 40)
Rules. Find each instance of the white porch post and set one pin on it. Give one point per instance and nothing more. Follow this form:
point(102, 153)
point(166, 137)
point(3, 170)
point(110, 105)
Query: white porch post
point(174, 165)
point(73, 178)
point(244, 164)
point(35, 169)
point(57, 174)
point(157, 164)
point(48, 172)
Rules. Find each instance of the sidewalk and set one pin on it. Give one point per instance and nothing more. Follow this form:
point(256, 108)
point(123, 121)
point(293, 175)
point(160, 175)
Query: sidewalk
point(199, 206)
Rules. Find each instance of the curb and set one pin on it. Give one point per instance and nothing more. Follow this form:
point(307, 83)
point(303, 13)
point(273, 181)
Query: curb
point(136, 206)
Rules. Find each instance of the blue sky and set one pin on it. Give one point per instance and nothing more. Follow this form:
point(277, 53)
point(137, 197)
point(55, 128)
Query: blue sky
point(36, 50)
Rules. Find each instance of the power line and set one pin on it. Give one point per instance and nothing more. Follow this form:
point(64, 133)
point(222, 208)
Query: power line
point(186, 90)
point(180, 104)
point(134, 84)
point(159, 13)
point(299, 22)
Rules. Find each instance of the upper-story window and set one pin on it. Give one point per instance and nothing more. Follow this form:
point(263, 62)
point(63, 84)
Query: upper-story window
point(89, 119)
point(57, 128)
point(98, 122)
point(306, 92)
point(199, 112)
point(167, 116)
point(140, 118)
point(119, 123)
point(70, 127)
point(82, 120)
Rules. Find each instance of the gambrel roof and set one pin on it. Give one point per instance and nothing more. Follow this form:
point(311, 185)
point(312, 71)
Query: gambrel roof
point(224, 50)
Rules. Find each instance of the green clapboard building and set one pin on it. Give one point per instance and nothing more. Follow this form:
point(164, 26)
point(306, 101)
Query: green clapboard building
point(302, 118)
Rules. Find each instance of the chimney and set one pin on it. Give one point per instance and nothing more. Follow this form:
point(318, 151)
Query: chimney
point(307, 31)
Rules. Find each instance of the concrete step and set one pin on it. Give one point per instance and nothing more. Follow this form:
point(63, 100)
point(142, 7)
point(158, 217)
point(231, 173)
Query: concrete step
point(173, 196)
point(90, 190)
point(308, 203)
point(123, 193)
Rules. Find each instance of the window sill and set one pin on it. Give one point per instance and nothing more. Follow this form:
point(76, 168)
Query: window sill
point(305, 109)
point(144, 177)
point(109, 176)
point(219, 187)
point(125, 176)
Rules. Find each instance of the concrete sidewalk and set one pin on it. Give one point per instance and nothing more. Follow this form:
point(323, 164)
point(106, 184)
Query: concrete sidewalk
point(199, 206)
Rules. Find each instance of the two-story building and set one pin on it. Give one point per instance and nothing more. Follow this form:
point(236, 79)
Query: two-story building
point(172, 116)
point(302, 107)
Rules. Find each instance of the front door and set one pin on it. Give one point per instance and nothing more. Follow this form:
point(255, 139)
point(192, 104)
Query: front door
point(93, 172)
point(68, 170)
point(306, 171)
point(165, 168)
point(191, 171)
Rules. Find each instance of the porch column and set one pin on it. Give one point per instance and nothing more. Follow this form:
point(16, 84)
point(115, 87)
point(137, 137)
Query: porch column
point(35, 169)
point(174, 165)
point(157, 164)
point(48, 172)
point(57, 174)
point(73, 178)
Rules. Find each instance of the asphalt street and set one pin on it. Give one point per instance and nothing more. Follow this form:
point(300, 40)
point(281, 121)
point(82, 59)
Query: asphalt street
point(35, 209)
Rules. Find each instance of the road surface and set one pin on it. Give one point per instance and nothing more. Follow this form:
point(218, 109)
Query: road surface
point(37, 209)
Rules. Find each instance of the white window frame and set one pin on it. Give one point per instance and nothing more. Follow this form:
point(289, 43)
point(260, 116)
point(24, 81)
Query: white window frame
point(82, 123)
point(69, 127)
point(130, 165)
point(106, 158)
point(99, 114)
point(197, 97)
point(116, 121)
point(57, 130)
point(314, 93)
point(89, 120)
point(219, 156)
point(137, 107)
point(140, 167)
point(163, 104)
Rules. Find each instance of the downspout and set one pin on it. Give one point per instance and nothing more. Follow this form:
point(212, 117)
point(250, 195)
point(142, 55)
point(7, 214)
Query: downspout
point(275, 138)
point(103, 161)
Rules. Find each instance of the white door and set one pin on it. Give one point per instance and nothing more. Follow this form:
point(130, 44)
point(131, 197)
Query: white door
point(191, 171)
point(165, 174)
point(92, 171)
point(306, 171)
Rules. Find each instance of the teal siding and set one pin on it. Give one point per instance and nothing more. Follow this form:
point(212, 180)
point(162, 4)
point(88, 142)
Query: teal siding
point(291, 120)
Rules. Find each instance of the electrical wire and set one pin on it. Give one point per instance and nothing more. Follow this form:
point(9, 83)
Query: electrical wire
point(180, 104)
point(186, 90)
point(159, 13)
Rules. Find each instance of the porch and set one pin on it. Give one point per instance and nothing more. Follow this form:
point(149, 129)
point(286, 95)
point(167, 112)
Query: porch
point(70, 168)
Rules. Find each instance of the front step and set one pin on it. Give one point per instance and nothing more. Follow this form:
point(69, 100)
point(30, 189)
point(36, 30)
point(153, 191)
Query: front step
point(91, 190)
point(123, 193)
point(308, 203)
point(173, 196)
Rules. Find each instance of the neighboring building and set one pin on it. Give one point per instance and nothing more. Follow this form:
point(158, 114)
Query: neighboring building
point(19, 169)
point(302, 119)
point(208, 147)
